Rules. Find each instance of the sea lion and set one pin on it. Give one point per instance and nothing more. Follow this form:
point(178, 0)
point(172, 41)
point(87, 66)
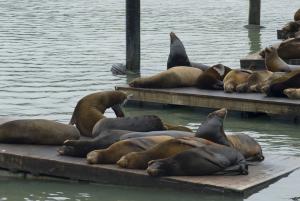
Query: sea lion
point(212, 130)
point(90, 109)
point(292, 93)
point(174, 77)
point(169, 126)
point(289, 49)
point(168, 148)
point(213, 126)
point(289, 30)
point(254, 81)
point(206, 160)
point(178, 56)
point(114, 152)
point(213, 77)
point(142, 123)
point(36, 131)
point(289, 80)
point(297, 15)
point(80, 148)
point(235, 78)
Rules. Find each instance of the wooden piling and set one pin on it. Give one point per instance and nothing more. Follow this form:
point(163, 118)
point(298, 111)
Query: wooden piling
point(254, 12)
point(133, 35)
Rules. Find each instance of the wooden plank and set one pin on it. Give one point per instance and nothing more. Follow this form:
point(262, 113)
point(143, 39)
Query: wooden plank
point(43, 160)
point(246, 102)
point(258, 63)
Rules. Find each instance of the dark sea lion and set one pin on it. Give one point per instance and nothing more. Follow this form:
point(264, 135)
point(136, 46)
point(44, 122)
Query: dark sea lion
point(168, 148)
point(292, 93)
point(297, 15)
point(254, 81)
point(277, 86)
point(235, 78)
point(275, 64)
point(90, 109)
point(37, 131)
point(178, 56)
point(142, 123)
point(213, 77)
point(206, 160)
point(212, 129)
point(114, 152)
point(174, 77)
point(289, 30)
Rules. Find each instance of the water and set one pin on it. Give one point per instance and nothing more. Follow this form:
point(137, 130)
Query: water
point(54, 52)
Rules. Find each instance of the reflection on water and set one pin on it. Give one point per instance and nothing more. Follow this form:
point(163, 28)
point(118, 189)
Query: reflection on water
point(53, 53)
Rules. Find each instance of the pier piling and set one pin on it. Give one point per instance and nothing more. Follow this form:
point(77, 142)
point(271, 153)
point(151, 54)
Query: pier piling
point(254, 12)
point(133, 35)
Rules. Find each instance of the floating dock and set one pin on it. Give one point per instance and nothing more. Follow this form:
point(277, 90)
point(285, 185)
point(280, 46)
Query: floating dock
point(43, 161)
point(256, 62)
point(280, 34)
point(189, 96)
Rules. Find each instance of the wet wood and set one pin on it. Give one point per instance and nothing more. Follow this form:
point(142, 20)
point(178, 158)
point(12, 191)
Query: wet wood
point(44, 161)
point(245, 102)
point(256, 62)
point(254, 12)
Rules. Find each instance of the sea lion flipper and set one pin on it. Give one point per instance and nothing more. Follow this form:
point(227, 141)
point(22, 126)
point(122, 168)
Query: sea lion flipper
point(118, 110)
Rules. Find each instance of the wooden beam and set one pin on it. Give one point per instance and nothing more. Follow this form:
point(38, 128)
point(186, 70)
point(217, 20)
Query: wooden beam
point(133, 35)
point(254, 12)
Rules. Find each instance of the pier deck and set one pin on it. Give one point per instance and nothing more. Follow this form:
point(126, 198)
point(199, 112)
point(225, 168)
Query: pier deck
point(43, 160)
point(245, 102)
point(258, 63)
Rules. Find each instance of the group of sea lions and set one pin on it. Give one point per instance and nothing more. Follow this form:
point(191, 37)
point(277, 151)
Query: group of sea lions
point(139, 142)
point(146, 142)
point(279, 79)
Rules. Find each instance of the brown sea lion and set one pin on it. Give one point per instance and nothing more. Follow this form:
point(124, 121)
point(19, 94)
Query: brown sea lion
point(289, 49)
point(178, 56)
point(37, 131)
point(143, 123)
point(235, 78)
point(289, 80)
point(213, 77)
point(297, 15)
point(90, 109)
point(174, 77)
point(292, 93)
point(169, 126)
point(256, 79)
point(114, 152)
point(168, 148)
point(206, 160)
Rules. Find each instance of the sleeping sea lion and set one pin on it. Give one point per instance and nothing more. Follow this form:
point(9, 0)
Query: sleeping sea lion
point(254, 81)
point(289, 80)
point(275, 64)
point(90, 109)
point(206, 160)
point(289, 49)
point(37, 131)
point(174, 77)
point(292, 93)
point(143, 123)
point(178, 56)
point(114, 152)
point(168, 148)
point(213, 77)
point(235, 78)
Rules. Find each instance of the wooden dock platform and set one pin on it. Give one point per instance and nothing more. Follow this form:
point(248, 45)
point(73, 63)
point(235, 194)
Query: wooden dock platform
point(245, 102)
point(258, 63)
point(44, 161)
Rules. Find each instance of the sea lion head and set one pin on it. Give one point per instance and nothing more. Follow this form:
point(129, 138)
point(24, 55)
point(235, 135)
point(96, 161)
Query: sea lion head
point(221, 113)
point(173, 37)
point(161, 167)
point(297, 15)
point(221, 70)
point(291, 92)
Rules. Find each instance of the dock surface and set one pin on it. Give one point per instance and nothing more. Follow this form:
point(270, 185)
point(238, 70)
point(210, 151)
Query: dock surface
point(258, 63)
point(189, 96)
point(43, 160)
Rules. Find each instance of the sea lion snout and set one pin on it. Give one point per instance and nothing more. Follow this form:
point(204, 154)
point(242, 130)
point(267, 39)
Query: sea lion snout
point(220, 113)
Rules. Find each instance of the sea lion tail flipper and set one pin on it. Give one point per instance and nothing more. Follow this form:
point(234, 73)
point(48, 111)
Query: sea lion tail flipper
point(238, 169)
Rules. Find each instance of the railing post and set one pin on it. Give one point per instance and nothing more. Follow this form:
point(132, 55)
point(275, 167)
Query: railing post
point(133, 35)
point(254, 12)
